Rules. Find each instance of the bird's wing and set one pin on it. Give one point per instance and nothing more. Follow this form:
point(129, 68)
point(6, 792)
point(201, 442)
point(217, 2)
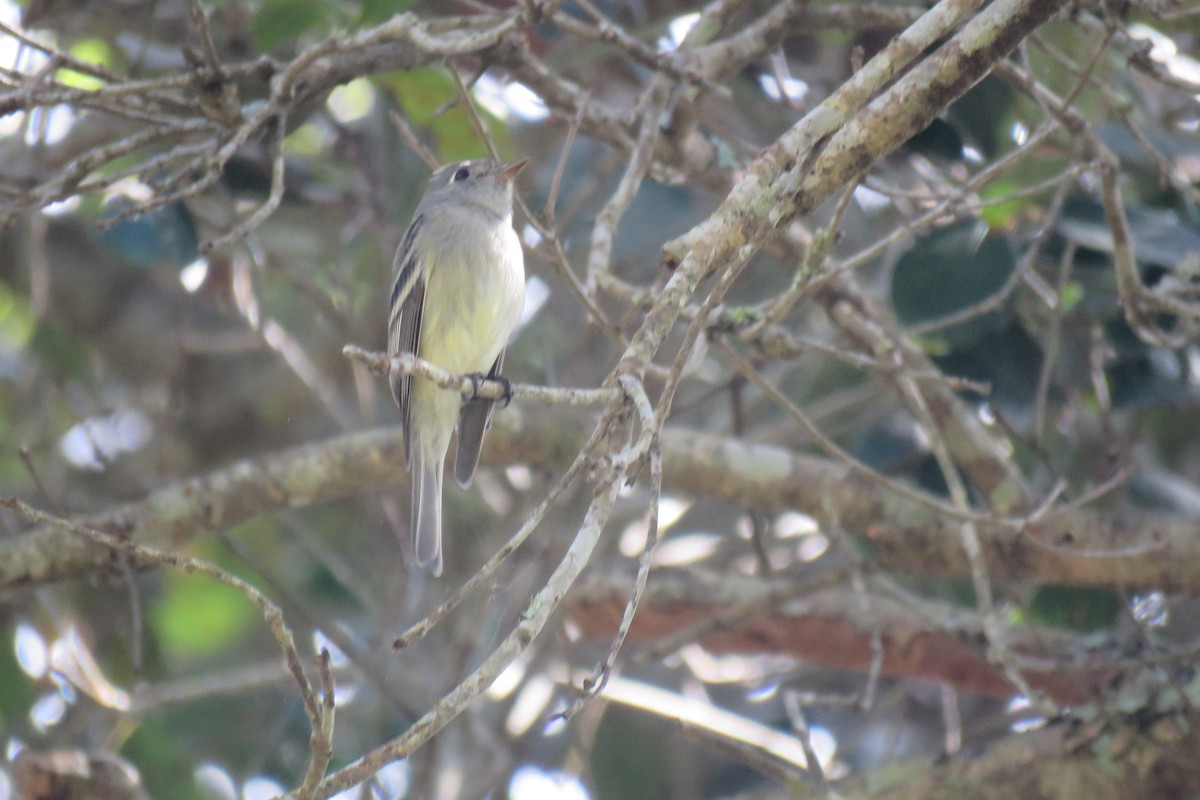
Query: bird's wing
point(404, 324)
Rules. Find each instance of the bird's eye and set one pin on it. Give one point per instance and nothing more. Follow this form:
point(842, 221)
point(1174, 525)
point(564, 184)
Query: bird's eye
point(462, 174)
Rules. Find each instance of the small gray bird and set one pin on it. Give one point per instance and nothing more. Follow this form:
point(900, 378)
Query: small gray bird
point(459, 290)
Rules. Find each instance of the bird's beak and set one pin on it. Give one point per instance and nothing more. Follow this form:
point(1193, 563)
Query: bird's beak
point(509, 171)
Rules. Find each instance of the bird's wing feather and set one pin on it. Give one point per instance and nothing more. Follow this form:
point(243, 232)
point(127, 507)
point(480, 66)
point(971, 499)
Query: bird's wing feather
point(404, 324)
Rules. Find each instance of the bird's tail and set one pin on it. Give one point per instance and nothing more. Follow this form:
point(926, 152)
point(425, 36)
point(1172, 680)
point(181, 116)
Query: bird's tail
point(427, 515)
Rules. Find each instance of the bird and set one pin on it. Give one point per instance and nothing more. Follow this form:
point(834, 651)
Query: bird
point(457, 296)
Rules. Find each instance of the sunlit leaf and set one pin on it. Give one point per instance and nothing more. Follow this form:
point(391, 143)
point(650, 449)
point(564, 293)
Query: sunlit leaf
point(16, 321)
point(197, 616)
point(422, 93)
point(1002, 214)
point(307, 141)
point(1072, 294)
point(90, 51)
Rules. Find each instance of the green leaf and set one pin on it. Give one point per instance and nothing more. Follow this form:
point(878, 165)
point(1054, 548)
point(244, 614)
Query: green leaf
point(424, 91)
point(16, 690)
point(198, 617)
point(999, 212)
point(1148, 380)
point(627, 758)
point(951, 271)
point(1007, 359)
point(984, 115)
point(1079, 608)
point(59, 350)
point(166, 765)
point(420, 91)
point(1071, 295)
point(939, 140)
point(16, 319)
point(90, 51)
point(373, 12)
point(281, 22)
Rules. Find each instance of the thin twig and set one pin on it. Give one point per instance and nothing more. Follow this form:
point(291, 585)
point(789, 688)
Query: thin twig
point(594, 684)
point(271, 613)
point(795, 713)
point(320, 740)
point(814, 260)
point(650, 106)
point(1050, 346)
point(561, 166)
point(994, 627)
point(532, 621)
point(534, 518)
point(406, 363)
point(255, 220)
point(410, 138)
point(545, 231)
point(837, 453)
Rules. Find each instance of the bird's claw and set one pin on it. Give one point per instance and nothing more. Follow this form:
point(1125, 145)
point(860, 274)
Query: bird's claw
point(477, 379)
point(508, 392)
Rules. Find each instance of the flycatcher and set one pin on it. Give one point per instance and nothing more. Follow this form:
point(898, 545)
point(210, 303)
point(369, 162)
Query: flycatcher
point(459, 290)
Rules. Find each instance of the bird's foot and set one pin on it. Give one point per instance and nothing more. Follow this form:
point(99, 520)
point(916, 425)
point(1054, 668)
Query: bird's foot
point(477, 379)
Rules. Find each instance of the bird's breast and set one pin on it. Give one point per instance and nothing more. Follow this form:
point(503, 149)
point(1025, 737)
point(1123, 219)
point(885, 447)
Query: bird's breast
point(475, 288)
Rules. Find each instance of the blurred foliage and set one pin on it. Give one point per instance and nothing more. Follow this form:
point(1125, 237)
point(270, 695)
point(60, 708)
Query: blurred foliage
point(60, 352)
point(373, 12)
point(951, 272)
point(165, 235)
point(427, 96)
point(280, 22)
point(1077, 608)
point(89, 51)
point(628, 759)
point(166, 763)
point(196, 617)
point(16, 691)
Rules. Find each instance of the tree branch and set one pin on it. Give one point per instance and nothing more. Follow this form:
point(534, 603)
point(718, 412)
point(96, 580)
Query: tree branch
point(1064, 545)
